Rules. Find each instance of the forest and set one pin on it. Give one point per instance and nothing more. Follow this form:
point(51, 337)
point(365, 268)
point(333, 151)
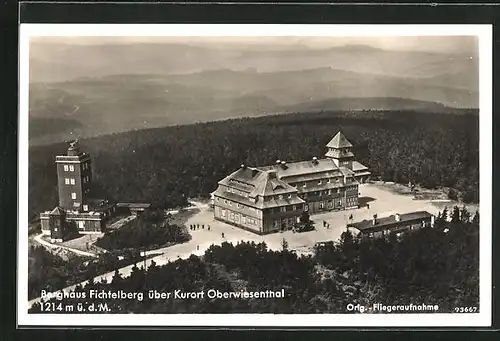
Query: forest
point(150, 231)
point(166, 166)
point(50, 272)
point(436, 265)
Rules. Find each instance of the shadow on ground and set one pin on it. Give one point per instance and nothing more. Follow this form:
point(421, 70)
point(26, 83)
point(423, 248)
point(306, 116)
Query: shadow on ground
point(364, 201)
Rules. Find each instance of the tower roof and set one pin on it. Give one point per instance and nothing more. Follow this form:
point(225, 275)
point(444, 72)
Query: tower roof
point(339, 141)
point(57, 211)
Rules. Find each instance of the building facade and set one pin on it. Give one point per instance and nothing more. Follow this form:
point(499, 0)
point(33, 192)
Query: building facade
point(397, 223)
point(275, 196)
point(77, 210)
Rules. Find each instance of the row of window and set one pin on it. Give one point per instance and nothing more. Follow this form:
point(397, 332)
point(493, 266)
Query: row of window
point(71, 181)
point(71, 168)
point(278, 197)
point(330, 191)
point(320, 182)
point(236, 217)
point(351, 201)
point(238, 205)
point(327, 204)
point(236, 191)
point(284, 208)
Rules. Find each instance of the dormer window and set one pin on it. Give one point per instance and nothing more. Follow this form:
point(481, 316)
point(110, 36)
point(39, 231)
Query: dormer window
point(328, 181)
point(305, 184)
point(289, 196)
point(280, 197)
point(319, 182)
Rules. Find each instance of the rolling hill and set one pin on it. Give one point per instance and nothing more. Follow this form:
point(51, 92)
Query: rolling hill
point(116, 103)
point(112, 88)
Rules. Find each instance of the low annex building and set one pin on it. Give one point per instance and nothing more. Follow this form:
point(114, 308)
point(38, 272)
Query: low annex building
point(396, 223)
point(77, 210)
point(272, 198)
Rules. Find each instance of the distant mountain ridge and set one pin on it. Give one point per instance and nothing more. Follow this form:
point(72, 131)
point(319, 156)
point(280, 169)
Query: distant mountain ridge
point(91, 90)
point(52, 62)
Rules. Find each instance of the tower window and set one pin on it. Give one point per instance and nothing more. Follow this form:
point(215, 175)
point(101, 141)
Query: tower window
point(71, 168)
point(73, 196)
point(85, 207)
point(65, 168)
point(72, 181)
point(66, 181)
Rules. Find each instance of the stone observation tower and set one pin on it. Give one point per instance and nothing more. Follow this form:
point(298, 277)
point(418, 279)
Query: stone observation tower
point(77, 211)
point(74, 177)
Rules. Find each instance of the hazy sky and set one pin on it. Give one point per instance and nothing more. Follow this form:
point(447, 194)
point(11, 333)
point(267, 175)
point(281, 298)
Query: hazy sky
point(453, 44)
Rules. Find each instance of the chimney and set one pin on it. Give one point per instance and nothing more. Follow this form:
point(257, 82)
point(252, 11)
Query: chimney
point(374, 220)
point(315, 160)
point(397, 217)
point(243, 166)
point(283, 165)
point(278, 162)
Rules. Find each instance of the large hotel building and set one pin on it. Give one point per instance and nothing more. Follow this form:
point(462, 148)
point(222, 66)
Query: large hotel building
point(272, 198)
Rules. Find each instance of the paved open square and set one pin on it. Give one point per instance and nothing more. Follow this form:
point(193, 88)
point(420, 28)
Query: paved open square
point(374, 199)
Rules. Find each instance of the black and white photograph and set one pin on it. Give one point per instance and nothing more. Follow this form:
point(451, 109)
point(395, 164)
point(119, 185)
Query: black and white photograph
point(255, 175)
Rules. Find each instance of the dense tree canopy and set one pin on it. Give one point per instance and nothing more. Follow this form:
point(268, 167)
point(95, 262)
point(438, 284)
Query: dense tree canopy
point(50, 272)
point(166, 166)
point(429, 266)
point(149, 231)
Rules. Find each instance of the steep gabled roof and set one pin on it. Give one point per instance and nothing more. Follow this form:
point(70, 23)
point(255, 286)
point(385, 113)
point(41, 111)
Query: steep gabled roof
point(256, 182)
point(269, 184)
point(390, 221)
point(339, 141)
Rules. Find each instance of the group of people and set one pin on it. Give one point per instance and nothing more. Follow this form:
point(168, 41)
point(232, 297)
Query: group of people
point(327, 225)
point(194, 227)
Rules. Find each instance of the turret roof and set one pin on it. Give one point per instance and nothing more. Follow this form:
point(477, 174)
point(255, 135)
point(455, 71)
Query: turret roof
point(339, 141)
